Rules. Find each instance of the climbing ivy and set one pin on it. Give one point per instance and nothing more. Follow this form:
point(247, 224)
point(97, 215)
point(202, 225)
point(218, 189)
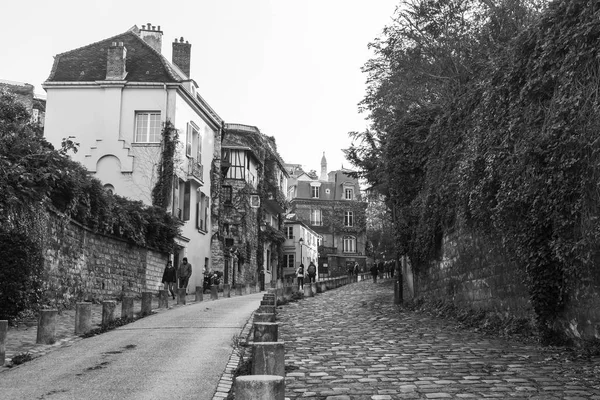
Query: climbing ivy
point(162, 192)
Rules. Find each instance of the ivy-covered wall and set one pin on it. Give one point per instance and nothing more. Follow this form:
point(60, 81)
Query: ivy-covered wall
point(83, 265)
point(473, 273)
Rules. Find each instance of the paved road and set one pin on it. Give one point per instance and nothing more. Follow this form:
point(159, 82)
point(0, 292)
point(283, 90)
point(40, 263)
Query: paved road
point(171, 355)
point(353, 343)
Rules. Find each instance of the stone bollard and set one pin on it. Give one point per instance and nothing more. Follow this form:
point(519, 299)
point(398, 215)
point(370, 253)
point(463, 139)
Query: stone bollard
point(264, 317)
point(199, 293)
point(267, 302)
point(181, 296)
point(226, 290)
point(146, 303)
point(265, 331)
point(3, 332)
point(313, 288)
point(83, 318)
point(46, 330)
point(248, 288)
point(127, 307)
point(267, 309)
point(214, 292)
point(108, 311)
point(308, 291)
point(323, 286)
point(264, 387)
point(163, 298)
point(239, 290)
point(268, 358)
point(257, 288)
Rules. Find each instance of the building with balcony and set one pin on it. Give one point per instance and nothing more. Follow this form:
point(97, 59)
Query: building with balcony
point(251, 208)
point(332, 206)
point(136, 116)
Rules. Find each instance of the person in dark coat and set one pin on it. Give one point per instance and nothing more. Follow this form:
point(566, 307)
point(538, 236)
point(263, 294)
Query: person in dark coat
point(374, 272)
point(169, 278)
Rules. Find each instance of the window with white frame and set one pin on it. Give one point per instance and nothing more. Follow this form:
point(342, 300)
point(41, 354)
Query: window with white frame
point(349, 193)
point(314, 191)
point(349, 218)
point(289, 232)
point(349, 243)
point(288, 261)
point(147, 127)
point(315, 217)
point(191, 138)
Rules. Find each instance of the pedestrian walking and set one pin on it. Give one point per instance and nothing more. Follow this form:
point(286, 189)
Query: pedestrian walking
point(184, 272)
point(169, 278)
point(374, 269)
point(312, 272)
point(300, 276)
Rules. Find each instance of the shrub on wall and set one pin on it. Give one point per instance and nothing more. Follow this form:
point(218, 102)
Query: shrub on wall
point(20, 274)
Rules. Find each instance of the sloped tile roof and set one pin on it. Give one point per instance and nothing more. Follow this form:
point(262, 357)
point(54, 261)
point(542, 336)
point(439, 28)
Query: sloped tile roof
point(88, 63)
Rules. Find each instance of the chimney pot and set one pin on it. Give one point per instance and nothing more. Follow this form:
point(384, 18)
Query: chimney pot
point(153, 27)
point(149, 25)
point(159, 27)
point(181, 40)
point(152, 37)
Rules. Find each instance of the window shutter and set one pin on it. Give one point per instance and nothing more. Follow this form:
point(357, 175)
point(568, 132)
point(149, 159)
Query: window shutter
point(186, 201)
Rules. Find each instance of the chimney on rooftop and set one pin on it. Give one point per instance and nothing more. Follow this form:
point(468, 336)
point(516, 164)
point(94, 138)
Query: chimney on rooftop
point(152, 35)
point(115, 62)
point(182, 54)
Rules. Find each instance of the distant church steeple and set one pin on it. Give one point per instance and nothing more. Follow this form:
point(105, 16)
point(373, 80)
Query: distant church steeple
point(323, 176)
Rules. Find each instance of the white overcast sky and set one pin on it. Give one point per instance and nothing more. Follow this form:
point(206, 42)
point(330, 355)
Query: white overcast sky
point(291, 68)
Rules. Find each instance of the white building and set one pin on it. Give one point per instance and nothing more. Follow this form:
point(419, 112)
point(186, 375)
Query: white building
point(300, 247)
point(113, 97)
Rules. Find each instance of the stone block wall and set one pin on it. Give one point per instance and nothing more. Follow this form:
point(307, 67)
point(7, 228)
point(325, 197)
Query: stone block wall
point(81, 264)
point(475, 274)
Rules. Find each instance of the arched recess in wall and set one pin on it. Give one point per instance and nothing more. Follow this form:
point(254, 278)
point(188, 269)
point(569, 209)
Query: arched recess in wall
point(108, 171)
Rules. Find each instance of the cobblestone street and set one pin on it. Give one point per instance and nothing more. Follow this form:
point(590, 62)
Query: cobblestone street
point(353, 343)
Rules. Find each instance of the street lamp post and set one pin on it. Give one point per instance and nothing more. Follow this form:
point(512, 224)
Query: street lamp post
point(300, 242)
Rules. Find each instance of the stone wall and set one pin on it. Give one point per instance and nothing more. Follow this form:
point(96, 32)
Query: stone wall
point(80, 264)
point(475, 274)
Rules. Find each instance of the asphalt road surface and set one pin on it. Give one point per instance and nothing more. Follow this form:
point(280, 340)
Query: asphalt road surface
point(170, 355)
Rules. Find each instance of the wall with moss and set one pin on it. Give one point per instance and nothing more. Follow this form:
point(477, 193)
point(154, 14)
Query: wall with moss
point(80, 264)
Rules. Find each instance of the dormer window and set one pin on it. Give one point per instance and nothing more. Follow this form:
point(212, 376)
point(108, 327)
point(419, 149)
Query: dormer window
point(314, 191)
point(349, 193)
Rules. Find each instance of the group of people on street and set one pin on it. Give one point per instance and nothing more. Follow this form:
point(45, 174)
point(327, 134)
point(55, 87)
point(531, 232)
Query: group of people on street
point(172, 275)
point(310, 274)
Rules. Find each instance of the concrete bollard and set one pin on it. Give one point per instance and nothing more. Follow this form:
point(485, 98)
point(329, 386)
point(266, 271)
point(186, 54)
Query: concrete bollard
point(267, 302)
point(163, 298)
point(108, 311)
point(257, 288)
point(181, 296)
point(248, 288)
point(268, 358)
point(267, 309)
point(46, 330)
point(265, 331)
point(127, 307)
point(214, 292)
point(226, 290)
point(323, 286)
point(146, 303)
point(199, 294)
point(313, 287)
point(83, 318)
point(239, 290)
point(264, 387)
point(308, 291)
point(3, 332)
point(264, 317)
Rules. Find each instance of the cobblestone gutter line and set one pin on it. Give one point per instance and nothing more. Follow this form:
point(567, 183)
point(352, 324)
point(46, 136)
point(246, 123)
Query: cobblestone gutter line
point(226, 382)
